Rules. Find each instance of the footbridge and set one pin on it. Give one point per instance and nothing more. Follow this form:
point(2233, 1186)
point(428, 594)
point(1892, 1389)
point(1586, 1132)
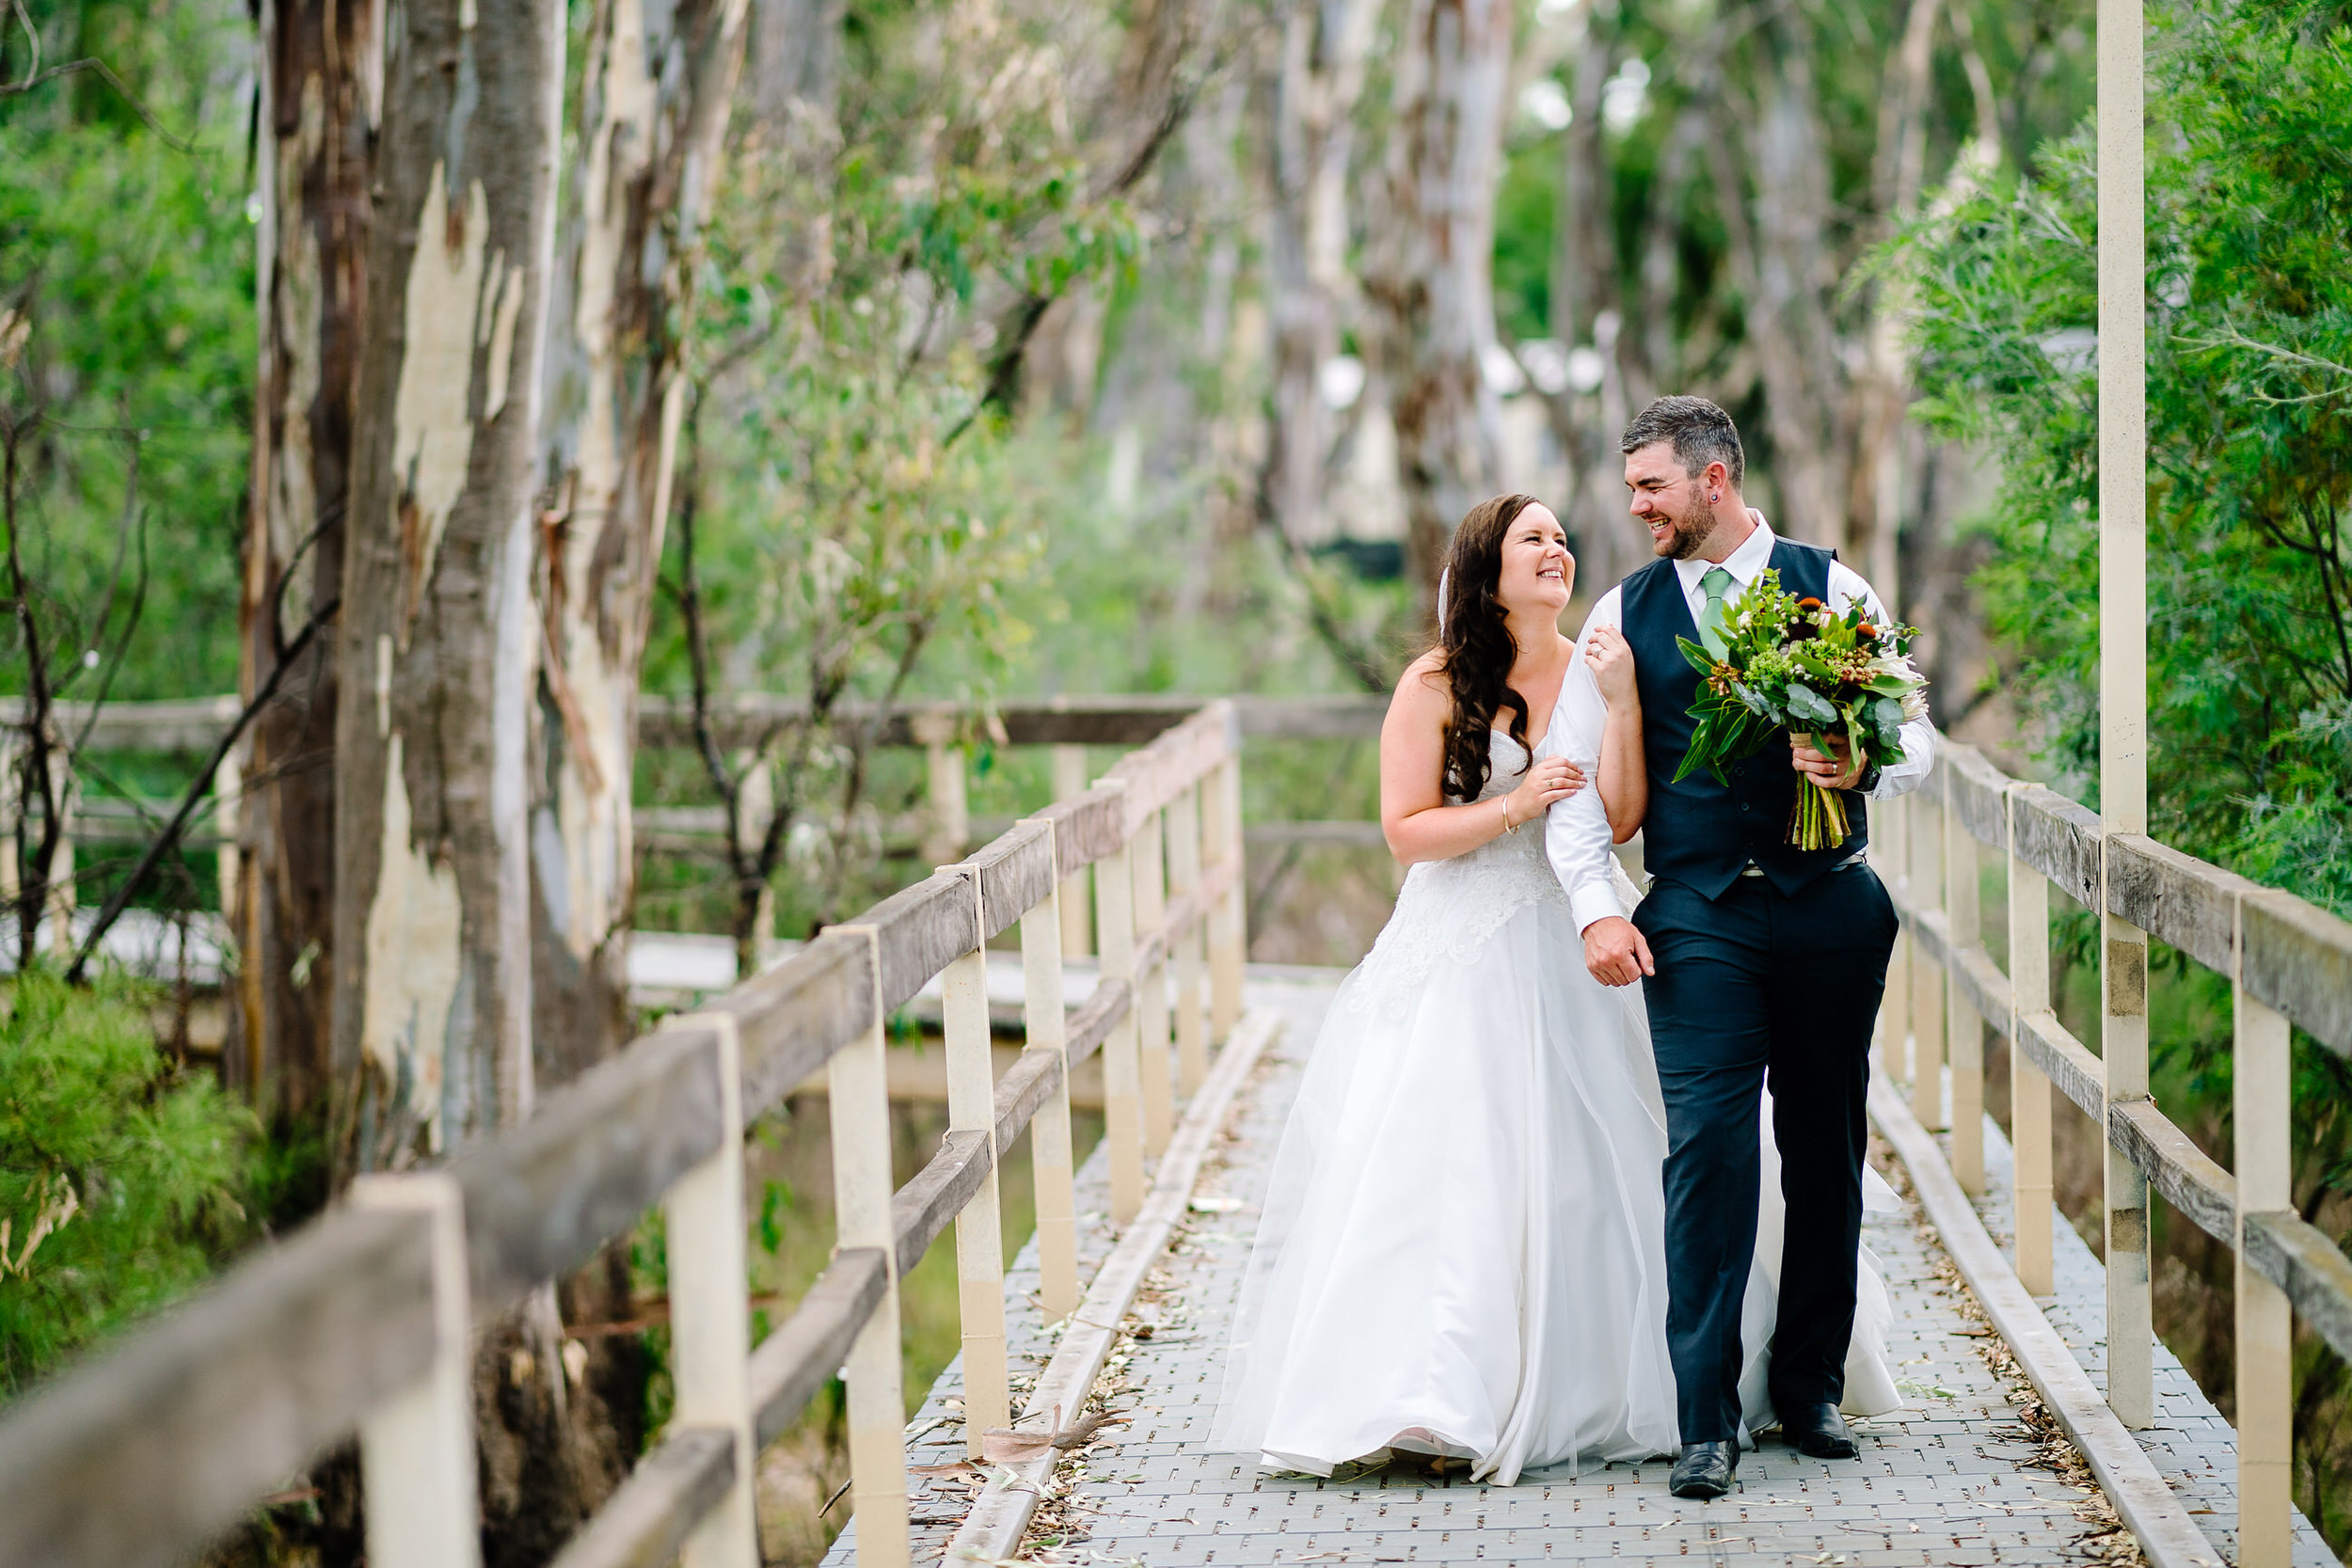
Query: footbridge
point(2046, 1422)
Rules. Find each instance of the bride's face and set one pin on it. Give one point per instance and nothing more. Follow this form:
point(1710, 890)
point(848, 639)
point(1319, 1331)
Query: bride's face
point(1537, 570)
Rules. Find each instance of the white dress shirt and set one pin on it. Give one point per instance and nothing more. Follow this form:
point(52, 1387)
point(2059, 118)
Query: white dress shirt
point(1576, 832)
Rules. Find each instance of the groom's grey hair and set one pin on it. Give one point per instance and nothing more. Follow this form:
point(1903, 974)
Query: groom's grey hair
point(1700, 432)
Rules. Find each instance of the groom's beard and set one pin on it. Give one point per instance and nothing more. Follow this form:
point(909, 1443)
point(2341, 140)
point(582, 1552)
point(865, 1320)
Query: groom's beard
point(1689, 532)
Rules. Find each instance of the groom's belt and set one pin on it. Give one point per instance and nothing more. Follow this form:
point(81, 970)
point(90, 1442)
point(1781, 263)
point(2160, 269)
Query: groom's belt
point(1860, 857)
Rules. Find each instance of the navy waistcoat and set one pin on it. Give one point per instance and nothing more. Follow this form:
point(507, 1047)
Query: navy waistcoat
point(1699, 833)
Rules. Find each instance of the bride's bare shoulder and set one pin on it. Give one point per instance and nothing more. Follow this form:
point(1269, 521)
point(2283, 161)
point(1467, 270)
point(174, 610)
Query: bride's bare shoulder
point(1422, 697)
point(1424, 683)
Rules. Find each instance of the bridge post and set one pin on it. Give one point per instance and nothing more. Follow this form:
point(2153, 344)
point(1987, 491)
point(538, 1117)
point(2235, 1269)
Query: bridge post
point(1122, 1076)
point(61, 884)
point(1925, 846)
point(2263, 1090)
point(857, 1098)
point(2124, 673)
point(710, 1338)
point(948, 824)
point(2131, 1320)
point(2028, 1088)
point(1050, 1154)
point(756, 808)
point(1184, 876)
point(1148, 866)
point(1229, 942)
point(1965, 1030)
point(228, 816)
point(1077, 922)
point(979, 1224)
point(416, 1450)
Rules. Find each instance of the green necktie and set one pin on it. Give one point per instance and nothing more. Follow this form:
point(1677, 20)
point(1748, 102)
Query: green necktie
point(1712, 628)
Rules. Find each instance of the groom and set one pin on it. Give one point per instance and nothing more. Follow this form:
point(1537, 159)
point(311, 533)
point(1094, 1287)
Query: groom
point(1760, 962)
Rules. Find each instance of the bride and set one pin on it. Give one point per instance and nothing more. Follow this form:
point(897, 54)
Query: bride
point(1462, 1249)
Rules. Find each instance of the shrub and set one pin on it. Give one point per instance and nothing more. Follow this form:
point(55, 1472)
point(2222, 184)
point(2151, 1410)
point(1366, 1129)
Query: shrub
point(121, 1180)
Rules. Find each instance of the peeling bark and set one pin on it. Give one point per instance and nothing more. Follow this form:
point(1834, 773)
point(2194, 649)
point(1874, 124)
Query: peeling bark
point(438, 639)
point(660, 81)
point(322, 86)
point(1430, 283)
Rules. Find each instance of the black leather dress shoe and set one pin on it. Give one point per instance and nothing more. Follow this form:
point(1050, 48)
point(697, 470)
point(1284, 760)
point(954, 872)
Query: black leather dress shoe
point(1704, 1470)
point(1817, 1431)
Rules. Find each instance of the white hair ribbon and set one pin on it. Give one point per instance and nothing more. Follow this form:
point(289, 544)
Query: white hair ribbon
point(1443, 574)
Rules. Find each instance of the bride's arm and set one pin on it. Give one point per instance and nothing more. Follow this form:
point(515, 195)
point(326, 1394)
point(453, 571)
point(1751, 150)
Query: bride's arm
point(1624, 775)
point(1414, 815)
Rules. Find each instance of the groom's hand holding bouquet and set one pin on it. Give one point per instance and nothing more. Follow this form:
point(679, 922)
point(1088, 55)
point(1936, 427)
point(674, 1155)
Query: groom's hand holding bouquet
point(1840, 685)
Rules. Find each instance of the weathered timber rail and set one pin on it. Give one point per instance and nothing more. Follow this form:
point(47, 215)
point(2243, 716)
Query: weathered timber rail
point(2290, 965)
point(193, 724)
point(361, 1322)
point(939, 831)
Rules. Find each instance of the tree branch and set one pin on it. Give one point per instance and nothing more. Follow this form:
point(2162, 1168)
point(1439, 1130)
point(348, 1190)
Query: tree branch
point(169, 840)
point(38, 77)
point(33, 879)
point(690, 604)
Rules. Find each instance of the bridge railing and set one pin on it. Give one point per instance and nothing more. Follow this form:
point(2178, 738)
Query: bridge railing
point(362, 1320)
point(1070, 727)
point(2289, 963)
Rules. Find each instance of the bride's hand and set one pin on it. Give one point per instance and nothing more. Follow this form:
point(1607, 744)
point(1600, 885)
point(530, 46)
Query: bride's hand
point(1610, 658)
point(1551, 779)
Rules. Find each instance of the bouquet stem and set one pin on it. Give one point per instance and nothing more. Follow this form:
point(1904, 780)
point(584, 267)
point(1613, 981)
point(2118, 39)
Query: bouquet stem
point(1818, 819)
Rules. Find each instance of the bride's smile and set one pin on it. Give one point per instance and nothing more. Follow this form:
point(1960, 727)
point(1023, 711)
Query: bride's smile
point(1537, 572)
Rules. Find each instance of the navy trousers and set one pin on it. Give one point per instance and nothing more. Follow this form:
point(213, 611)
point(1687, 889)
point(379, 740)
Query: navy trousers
point(1761, 986)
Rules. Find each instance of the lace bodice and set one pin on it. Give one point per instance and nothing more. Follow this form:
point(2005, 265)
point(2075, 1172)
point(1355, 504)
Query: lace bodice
point(1449, 909)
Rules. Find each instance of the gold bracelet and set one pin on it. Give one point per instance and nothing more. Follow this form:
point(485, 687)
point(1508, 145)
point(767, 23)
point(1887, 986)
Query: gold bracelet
point(1508, 826)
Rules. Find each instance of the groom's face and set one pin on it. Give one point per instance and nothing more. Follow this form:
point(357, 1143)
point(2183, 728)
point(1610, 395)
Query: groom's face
point(1672, 505)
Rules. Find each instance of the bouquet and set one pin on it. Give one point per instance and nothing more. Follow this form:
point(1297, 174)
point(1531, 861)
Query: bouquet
point(1794, 665)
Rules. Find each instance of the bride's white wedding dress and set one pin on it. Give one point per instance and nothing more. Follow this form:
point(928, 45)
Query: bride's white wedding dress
point(1462, 1247)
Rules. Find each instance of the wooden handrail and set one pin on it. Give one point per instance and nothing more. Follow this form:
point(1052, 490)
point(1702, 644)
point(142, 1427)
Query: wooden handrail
point(2180, 901)
point(2296, 956)
point(2290, 963)
point(195, 1415)
point(203, 1410)
point(193, 724)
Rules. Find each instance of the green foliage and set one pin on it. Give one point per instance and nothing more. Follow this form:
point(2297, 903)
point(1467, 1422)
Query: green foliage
point(120, 1180)
point(126, 325)
point(1525, 200)
point(2250, 433)
point(861, 511)
point(2249, 459)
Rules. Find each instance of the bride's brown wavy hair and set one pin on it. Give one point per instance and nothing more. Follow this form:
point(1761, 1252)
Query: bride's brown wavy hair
point(1475, 648)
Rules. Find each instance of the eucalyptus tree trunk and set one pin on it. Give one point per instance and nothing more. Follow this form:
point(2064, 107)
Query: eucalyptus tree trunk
point(1320, 78)
point(437, 634)
point(1430, 282)
point(439, 639)
point(795, 58)
point(322, 94)
point(1790, 274)
point(658, 83)
point(1590, 311)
